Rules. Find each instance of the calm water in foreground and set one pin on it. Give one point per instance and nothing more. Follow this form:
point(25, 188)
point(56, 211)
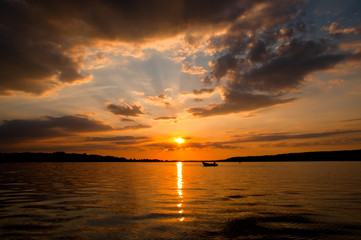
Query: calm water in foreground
point(295, 200)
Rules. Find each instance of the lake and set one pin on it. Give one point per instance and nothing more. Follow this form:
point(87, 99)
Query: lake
point(289, 200)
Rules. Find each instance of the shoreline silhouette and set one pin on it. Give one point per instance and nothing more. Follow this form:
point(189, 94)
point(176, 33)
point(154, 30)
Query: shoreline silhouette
point(344, 155)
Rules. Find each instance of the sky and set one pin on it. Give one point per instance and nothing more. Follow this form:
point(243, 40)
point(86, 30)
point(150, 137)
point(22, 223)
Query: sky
point(132, 78)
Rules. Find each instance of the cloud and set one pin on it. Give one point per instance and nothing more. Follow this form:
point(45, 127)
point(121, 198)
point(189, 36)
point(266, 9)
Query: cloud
point(250, 115)
point(115, 138)
point(138, 93)
point(187, 67)
point(288, 69)
point(270, 137)
point(207, 80)
point(351, 120)
point(73, 147)
point(335, 82)
point(162, 99)
point(43, 44)
point(163, 146)
point(125, 109)
point(263, 52)
point(336, 29)
point(12, 131)
point(127, 120)
point(134, 127)
point(236, 101)
point(265, 55)
point(96, 61)
point(33, 55)
point(165, 118)
point(326, 142)
point(201, 91)
point(274, 139)
point(221, 145)
point(191, 145)
point(198, 93)
point(198, 99)
point(119, 140)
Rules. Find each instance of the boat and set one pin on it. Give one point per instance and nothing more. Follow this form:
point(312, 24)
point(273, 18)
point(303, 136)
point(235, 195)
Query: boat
point(209, 164)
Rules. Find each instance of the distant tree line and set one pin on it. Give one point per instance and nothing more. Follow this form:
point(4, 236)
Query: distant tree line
point(347, 155)
point(64, 157)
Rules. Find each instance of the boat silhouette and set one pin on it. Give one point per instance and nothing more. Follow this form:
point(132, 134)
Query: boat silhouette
point(209, 164)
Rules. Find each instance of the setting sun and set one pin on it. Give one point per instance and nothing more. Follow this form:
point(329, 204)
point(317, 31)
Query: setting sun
point(179, 140)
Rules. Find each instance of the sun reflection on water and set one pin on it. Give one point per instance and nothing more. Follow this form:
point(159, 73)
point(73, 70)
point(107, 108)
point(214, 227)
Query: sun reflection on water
point(180, 190)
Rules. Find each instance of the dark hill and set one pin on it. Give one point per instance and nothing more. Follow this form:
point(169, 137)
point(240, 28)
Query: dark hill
point(348, 155)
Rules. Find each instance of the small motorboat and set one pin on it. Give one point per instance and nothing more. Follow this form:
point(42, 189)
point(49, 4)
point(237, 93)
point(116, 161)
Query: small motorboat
point(209, 164)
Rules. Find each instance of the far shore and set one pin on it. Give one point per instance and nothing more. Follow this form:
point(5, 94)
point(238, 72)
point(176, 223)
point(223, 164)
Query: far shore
point(346, 155)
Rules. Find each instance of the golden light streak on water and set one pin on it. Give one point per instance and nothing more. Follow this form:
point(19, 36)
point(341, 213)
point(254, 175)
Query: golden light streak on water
point(180, 189)
point(179, 176)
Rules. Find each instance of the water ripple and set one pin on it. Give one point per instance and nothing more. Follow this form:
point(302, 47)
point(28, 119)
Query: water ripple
point(179, 201)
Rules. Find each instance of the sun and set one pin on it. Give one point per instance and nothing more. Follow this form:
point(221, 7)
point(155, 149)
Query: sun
point(179, 140)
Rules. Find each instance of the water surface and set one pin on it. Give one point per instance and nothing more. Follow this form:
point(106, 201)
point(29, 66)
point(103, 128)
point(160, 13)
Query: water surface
point(294, 200)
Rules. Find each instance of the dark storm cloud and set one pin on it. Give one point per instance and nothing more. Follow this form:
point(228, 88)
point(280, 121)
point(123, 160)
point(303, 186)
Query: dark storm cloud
point(223, 64)
point(264, 56)
point(22, 130)
point(40, 41)
point(288, 69)
point(33, 57)
point(125, 110)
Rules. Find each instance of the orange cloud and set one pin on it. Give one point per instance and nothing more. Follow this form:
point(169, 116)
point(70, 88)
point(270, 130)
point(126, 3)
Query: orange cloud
point(194, 70)
point(161, 99)
point(336, 29)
